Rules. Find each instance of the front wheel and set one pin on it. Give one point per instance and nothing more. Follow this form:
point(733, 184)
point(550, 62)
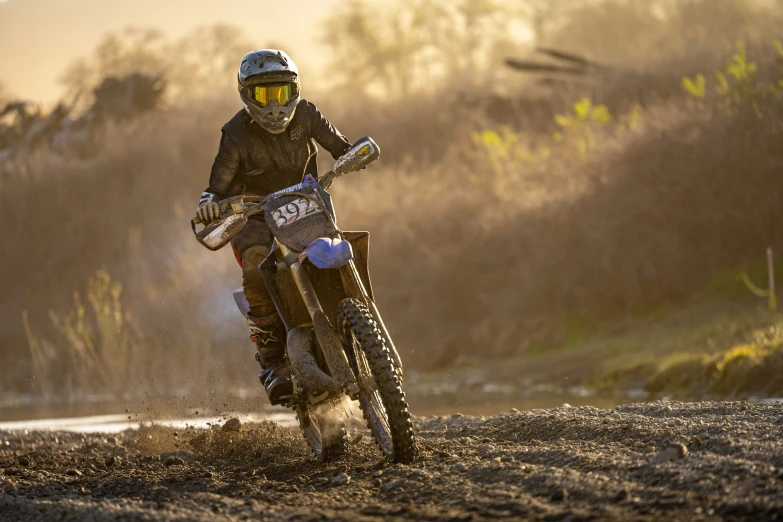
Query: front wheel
point(323, 428)
point(380, 393)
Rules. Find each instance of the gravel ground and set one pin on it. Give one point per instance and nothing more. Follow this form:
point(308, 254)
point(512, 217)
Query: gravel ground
point(678, 461)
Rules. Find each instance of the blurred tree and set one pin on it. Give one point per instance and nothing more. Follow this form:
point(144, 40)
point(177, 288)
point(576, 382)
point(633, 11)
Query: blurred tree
point(625, 30)
point(471, 36)
point(607, 30)
point(545, 17)
point(733, 19)
point(204, 62)
point(372, 53)
point(132, 50)
point(397, 47)
point(5, 94)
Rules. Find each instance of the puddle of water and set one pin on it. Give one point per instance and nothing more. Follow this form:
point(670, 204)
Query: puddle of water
point(118, 423)
point(102, 416)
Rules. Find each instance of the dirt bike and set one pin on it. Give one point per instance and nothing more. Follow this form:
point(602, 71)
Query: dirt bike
point(337, 344)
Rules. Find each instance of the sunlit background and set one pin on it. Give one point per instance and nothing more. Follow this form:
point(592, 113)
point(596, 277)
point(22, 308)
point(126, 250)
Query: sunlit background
point(567, 195)
point(47, 35)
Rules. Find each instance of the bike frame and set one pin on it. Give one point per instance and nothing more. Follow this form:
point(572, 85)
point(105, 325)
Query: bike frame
point(328, 339)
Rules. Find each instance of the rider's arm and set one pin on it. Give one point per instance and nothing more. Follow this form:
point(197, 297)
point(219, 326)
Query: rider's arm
point(224, 169)
point(325, 134)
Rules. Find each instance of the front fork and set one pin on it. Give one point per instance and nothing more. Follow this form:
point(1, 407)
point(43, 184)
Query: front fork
point(355, 288)
point(328, 339)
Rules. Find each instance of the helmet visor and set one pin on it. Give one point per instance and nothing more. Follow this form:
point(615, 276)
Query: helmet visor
point(268, 92)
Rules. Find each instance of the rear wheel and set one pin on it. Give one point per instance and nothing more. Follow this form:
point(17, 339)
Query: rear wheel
point(324, 429)
point(380, 393)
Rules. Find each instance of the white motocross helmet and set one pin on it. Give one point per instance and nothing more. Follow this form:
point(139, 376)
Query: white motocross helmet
point(268, 82)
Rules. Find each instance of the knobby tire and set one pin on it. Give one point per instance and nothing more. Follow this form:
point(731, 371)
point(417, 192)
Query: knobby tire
point(354, 321)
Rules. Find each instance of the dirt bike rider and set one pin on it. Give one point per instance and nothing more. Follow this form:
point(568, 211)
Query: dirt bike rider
point(267, 146)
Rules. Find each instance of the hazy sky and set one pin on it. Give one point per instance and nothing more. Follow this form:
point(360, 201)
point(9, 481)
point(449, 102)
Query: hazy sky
point(39, 38)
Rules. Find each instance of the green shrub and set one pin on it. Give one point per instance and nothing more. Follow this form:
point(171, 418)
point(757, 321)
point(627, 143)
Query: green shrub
point(745, 370)
point(738, 83)
point(578, 128)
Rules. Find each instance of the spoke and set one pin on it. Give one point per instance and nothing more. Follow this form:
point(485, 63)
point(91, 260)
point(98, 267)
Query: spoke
point(369, 396)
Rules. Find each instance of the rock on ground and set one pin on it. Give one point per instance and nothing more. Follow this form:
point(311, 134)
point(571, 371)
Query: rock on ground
point(672, 461)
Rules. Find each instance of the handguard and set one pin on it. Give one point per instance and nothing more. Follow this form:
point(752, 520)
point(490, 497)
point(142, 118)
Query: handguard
point(235, 211)
point(361, 154)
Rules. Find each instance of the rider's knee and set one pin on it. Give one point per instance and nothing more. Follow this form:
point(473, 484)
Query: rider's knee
point(253, 256)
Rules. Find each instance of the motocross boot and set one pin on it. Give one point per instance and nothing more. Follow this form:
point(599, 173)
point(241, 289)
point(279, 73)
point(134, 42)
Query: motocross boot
point(268, 334)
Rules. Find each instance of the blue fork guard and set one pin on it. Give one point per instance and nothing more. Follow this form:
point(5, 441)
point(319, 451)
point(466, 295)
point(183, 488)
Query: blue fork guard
point(329, 253)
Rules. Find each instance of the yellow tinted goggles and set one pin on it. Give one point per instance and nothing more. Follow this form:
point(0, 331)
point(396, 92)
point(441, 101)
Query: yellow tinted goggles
point(281, 92)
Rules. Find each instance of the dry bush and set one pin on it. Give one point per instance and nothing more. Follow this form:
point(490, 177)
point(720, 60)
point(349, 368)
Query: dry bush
point(649, 216)
point(126, 210)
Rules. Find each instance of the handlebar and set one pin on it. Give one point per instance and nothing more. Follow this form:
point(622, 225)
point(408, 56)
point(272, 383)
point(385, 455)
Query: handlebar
point(230, 203)
point(237, 209)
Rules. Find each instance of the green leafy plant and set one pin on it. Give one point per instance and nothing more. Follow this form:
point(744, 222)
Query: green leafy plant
point(503, 149)
point(634, 119)
point(577, 127)
point(738, 84)
point(696, 86)
point(507, 154)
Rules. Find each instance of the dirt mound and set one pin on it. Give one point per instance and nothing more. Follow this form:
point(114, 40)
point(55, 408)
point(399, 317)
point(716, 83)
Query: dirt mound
point(696, 461)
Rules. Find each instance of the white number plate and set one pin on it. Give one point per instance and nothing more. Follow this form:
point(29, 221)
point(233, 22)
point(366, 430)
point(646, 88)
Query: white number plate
point(294, 211)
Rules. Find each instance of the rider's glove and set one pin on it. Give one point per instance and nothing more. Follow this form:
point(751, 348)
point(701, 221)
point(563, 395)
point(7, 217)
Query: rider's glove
point(208, 209)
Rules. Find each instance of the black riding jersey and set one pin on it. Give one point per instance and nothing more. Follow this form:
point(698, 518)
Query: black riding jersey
point(253, 161)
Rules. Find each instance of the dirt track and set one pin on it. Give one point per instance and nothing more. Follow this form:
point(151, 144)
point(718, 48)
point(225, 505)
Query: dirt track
point(678, 461)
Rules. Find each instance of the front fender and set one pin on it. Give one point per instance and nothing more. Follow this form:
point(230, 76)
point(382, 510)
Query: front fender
point(360, 244)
